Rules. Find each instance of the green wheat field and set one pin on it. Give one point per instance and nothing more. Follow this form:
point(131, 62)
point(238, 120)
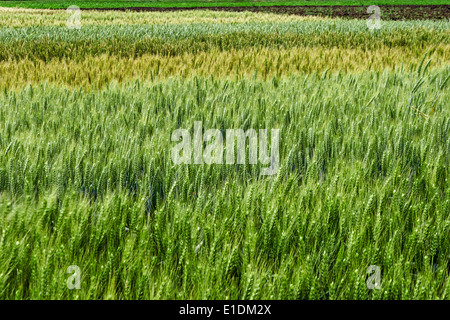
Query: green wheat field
point(87, 178)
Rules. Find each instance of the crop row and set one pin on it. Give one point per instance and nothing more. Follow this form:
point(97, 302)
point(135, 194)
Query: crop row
point(100, 71)
point(47, 47)
point(86, 179)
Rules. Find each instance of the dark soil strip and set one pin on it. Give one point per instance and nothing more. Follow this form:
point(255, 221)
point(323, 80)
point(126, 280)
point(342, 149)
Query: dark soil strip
point(388, 12)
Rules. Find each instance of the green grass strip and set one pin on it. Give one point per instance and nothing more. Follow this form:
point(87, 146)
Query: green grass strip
point(192, 4)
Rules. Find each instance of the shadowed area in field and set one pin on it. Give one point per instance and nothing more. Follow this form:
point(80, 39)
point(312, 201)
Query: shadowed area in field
point(388, 12)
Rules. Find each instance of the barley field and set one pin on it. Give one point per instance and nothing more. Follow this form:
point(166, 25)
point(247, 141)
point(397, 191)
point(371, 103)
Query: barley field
point(87, 178)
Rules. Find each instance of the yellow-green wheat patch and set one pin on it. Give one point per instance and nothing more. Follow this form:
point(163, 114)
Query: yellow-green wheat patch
point(98, 71)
